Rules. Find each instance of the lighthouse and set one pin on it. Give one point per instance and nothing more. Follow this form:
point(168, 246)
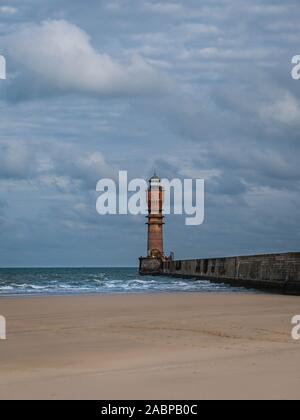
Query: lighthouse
point(155, 218)
point(152, 264)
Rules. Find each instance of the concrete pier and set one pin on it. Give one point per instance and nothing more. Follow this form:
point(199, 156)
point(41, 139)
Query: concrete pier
point(273, 272)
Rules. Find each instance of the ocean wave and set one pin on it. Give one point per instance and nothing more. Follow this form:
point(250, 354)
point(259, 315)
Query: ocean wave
point(6, 288)
point(76, 281)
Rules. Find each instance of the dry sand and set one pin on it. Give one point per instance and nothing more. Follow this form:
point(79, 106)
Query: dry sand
point(185, 346)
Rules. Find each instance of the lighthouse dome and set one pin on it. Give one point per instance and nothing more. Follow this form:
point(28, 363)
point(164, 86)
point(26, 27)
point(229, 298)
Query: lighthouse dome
point(154, 182)
point(154, 178)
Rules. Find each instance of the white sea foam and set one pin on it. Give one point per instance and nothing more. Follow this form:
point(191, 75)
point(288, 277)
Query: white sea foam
point(74, 281)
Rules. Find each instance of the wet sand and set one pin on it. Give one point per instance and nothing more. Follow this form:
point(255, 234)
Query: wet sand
point(180, 346)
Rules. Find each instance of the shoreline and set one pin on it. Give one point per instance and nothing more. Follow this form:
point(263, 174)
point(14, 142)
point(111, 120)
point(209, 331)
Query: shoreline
point(243, 291)
point(150, 346)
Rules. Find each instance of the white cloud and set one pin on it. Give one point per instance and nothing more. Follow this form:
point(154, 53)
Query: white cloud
point(283, 110)
point(8, 10)
point(58, 165)
point(16, 161)
point(113, 6)
point(195, 29)
point(265, 9)
point(60, 54)
point(231, 54)
point(166, 8)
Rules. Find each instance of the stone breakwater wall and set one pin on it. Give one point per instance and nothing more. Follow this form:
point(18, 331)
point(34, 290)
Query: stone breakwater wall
point(273, 272)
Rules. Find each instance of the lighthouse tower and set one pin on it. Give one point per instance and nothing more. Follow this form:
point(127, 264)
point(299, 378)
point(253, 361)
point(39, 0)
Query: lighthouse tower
point(155, 218)
point(152, 264)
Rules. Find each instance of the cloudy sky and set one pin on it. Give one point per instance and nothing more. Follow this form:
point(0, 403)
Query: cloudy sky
point(192, 88)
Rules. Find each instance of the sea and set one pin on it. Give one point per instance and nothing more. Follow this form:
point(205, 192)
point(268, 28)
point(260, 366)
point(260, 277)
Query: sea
point(71, 281)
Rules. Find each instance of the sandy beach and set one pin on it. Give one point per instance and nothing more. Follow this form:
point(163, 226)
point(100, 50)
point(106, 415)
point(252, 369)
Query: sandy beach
point(179, 346)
